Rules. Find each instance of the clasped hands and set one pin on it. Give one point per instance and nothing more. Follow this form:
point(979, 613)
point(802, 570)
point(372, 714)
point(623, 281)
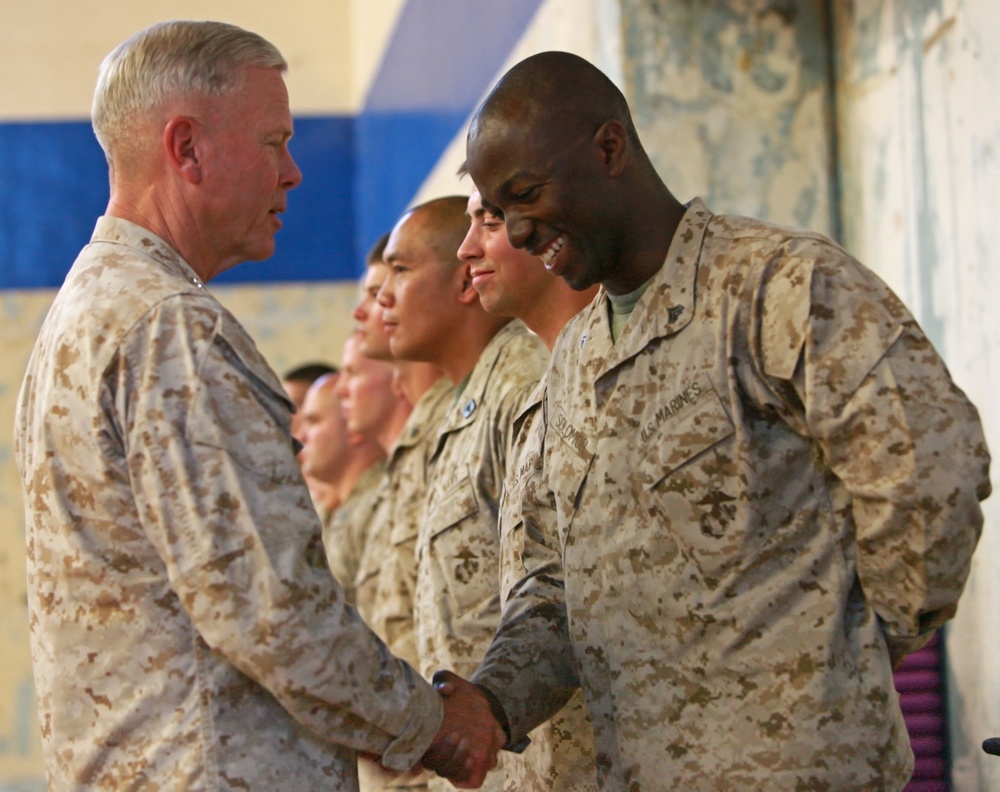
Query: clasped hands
point(466, 746)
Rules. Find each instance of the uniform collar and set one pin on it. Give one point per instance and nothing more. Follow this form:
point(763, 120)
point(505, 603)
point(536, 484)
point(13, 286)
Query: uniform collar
point(468, 406)
point(424, 417)
point(666, 307)
point(116, 230)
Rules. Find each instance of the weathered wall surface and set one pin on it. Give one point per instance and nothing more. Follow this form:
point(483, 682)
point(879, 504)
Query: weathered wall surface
point(920, 139)
point(732, 100)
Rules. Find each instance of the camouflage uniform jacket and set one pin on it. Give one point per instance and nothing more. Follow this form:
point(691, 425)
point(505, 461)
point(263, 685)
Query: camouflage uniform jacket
point(180, 638)
point(399, 516)
point(766, 483)
point(389, 551)
point(561, 754)
point(347, 532)
point(458, 546)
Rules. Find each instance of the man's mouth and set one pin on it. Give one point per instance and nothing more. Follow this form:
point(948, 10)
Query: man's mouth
point(549, 253)
point(480, 275)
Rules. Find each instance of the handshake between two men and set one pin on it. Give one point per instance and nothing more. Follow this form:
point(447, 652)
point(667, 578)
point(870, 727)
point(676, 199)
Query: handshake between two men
point(470, 737)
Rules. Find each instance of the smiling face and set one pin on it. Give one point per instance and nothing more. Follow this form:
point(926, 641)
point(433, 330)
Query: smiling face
point(246, 170)
point(554, 194)
point(510, 282)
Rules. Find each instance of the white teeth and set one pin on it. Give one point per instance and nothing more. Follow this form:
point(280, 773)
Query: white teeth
point(553, 251)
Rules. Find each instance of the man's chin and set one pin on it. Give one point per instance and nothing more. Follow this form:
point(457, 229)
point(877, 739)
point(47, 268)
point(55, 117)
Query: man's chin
point(489, 302)
point(375, 351)
point(578, 281)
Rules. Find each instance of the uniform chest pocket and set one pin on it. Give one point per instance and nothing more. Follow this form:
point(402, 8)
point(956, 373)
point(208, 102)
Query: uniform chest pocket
point(688, 473)
point(568, 455)
point(462, 549)
point(527, 523)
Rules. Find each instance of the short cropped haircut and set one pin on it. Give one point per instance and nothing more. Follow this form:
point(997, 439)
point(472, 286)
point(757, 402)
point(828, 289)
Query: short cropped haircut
point(308, 372)
point(375, 253)
point(172, 59)
point(445, 225)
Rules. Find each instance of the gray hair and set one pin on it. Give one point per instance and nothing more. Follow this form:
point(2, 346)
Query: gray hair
point(172, 59)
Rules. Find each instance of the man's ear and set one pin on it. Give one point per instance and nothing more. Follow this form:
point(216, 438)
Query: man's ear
point(467, 294)
point(612, 141)
point(179, 141)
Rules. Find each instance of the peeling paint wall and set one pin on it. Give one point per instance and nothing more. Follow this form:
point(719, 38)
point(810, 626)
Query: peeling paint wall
point(920, 141)
point(732, 100)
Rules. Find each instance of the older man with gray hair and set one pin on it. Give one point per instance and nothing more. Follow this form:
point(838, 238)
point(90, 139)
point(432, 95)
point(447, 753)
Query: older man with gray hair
point(181, 637)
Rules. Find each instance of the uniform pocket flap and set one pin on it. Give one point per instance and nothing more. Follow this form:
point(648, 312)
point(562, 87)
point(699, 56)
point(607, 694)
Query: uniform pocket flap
point(458, 503)
point(685, 425)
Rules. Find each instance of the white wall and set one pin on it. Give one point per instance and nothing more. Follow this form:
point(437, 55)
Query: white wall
point(920, 139)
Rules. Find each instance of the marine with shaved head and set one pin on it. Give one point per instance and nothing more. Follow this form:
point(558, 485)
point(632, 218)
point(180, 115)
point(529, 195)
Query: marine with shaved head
point(757, 486)
point(410, 394)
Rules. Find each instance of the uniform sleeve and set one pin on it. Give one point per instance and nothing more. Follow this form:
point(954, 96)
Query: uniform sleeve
point(343, 538)
point(859, 377)
point(395, 592)
point(530, 666)
point(219, 492)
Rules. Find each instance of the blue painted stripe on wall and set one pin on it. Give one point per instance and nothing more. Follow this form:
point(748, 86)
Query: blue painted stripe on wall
point(443, 55)
point(358, 174)
point(54, 181)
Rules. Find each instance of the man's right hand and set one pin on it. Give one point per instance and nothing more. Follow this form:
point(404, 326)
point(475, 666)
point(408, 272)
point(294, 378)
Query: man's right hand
point(466, 746)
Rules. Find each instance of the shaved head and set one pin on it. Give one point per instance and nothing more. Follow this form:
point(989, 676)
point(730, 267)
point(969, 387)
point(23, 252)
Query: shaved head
point(443, 224)
point(553, 151)
point(425, 295)
point(557, 92)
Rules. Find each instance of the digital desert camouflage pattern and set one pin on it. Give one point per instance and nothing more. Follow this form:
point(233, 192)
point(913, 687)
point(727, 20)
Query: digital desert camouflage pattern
point(766, 480)
point(180, 638)
point(400, 512)
point(560, 756)
point(457, 549)
point(393, 537)
point(346, 536)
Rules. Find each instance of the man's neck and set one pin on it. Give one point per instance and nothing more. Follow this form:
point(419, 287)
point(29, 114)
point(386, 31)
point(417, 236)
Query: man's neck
point(414, 378)
point(471, 342)
point(393, 425)
point(178, 229)
point(650, 232)
point(356, 466)
point(555, 310)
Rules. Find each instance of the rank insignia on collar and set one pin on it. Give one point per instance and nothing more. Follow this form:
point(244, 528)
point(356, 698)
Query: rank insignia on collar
point(674, 313)
point(468, 408)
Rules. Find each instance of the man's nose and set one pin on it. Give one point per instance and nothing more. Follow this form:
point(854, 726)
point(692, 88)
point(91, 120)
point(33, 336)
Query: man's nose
point(519, 229)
